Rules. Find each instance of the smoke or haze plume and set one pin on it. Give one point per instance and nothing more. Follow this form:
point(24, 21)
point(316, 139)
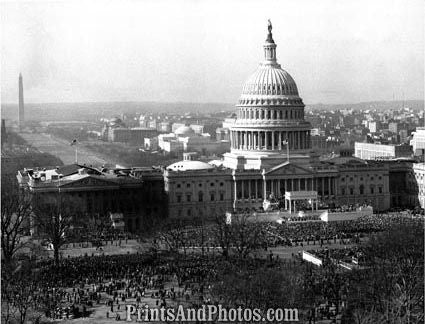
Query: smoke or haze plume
point(203, 51)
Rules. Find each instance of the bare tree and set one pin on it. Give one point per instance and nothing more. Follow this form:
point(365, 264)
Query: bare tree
point(393, 282)
point(246, 234)
point(19, 293)
point(242, 234)
point(242, 282)
point(53, 219)
point(174, 234)
point(15, 217)
point(222, 234)
point(8, 311)
point(361, 316)
point(24, 298)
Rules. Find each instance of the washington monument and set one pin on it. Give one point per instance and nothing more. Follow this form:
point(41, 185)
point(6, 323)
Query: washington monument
point(21, 103)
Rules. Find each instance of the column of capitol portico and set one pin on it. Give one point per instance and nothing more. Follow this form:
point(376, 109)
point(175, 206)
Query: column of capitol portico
point(280, 141)
point(266, 141)
point(302, 140)
point(278, 188)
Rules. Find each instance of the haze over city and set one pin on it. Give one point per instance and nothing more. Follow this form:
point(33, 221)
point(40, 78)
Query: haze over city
point(203, 51)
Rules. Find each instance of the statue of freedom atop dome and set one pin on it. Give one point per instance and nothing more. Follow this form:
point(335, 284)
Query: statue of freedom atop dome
point(269, 35)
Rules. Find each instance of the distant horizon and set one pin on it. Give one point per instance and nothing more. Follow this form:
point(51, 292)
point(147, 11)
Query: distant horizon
point(198, 103)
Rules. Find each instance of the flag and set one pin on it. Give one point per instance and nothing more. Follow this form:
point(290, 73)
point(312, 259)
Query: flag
point(285, 142)
point(74, 142)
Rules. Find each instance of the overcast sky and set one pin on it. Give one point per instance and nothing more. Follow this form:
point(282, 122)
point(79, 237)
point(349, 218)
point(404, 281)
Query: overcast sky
point(202, 51)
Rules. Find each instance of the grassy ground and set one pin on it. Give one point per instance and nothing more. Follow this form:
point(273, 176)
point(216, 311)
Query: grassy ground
point(62, 149)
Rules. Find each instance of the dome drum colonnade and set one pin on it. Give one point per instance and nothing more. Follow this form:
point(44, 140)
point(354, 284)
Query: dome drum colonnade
point(270, 111)
point(274, 140)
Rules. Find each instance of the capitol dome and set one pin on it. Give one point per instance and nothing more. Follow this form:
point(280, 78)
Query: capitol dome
point(270, 84)
point(115, 121)
point(189, 166)
point(184, 130)
point(270, 113)
point(270, 80)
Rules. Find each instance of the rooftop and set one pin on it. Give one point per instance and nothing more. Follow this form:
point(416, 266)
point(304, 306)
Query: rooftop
point(189, 166)
point(74, 172)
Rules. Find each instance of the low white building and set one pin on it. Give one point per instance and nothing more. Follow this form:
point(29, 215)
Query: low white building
point(151, 144)
point(419, 171)
point(372, 151)
point(185, 139)
point(418, 141)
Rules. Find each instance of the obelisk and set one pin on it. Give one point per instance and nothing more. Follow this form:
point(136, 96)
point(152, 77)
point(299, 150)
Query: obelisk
point(21, 103)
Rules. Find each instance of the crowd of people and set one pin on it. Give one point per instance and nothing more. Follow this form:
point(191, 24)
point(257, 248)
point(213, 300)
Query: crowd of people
point(291, 233)
point(97, 233)
point(71, 288)
point(351, 231)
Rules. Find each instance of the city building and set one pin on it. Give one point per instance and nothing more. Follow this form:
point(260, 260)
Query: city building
point(134, 135)
point(222, 134)
point(115, 130)
point(419, 172)
point(151, 144)
point(373, 151)
point(362, 182)
point(373, 126)
point(404, 135)
point(143, 121)
point(153, 124)
point(198, 189)
point(403, 186)
point(418, 141)
point(170, 144)
point(164, 127)
point(186, 139)
point(190, 156)
point(197, 129)
point(229, 121)
point(110, 124)
point(324, 144)
point(393, 127)
point(137, 193)
point(176, 126)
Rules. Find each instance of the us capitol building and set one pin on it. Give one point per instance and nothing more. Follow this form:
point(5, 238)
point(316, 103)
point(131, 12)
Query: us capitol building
point(270, 162)
point(271, 157)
